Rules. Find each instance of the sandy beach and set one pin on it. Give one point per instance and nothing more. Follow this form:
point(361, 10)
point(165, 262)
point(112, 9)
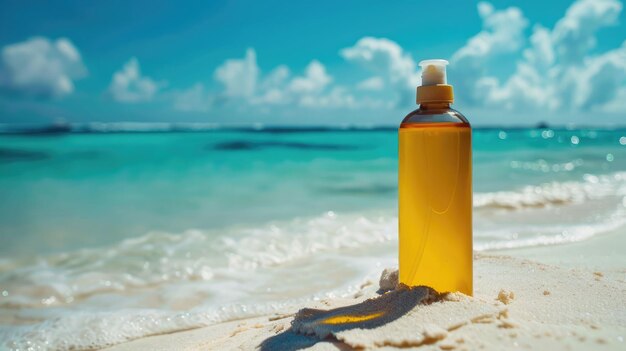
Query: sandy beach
point(569, 297)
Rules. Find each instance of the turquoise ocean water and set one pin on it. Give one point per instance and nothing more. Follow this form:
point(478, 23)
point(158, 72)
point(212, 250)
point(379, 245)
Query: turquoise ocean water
point(109, 234)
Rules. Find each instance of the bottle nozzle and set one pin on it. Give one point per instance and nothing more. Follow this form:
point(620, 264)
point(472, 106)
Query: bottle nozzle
point(434, 86)
point(434, 72)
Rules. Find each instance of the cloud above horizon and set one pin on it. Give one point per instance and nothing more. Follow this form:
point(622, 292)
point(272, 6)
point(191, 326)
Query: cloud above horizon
point(395, 67)
point(242, 82)
point(556, 71)
point(128, 85)
point(40, 67)
point(553, 69)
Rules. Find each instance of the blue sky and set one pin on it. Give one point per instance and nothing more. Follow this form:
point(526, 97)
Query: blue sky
point(309, 62)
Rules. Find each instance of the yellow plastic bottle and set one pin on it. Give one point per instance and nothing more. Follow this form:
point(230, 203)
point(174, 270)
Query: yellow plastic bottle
point(435, 189)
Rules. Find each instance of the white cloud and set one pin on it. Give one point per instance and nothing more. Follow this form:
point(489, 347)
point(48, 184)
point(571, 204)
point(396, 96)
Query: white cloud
point(541, 52)
point(314, 90)
point(373, 83)
point(194, 99)
point(273, 96)
point(276, 78)
point(502, 33)
point(618, 104)
point(315, 79)
point(573, 38)
point(574, 34)
point(557, 71)
point(528, 87)
point(387, 59)
point(602, 78)
point(310, 90)
point(244, 84)
point(338, 97)
point(128, 85)
point(239, 76)
point(381, 55)
point(41, 67)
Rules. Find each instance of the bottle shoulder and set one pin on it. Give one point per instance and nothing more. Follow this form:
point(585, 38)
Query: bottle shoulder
point(435, 115)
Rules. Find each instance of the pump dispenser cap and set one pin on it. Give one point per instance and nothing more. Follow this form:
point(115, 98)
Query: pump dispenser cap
point(434, 86)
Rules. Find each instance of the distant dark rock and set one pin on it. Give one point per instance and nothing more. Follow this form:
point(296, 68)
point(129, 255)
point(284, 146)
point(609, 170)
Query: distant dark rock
point(256, 145)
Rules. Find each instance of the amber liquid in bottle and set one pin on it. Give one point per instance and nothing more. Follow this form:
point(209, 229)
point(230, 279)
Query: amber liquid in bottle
point(435, 199)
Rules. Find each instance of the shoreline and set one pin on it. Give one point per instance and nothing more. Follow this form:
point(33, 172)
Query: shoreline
point(601, 252)
point(553, 297)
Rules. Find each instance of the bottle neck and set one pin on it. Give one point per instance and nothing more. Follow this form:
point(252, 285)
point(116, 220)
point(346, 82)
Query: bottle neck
point(434, 105)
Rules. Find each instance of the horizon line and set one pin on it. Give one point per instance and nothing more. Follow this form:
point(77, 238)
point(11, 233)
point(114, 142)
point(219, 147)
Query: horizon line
point(190, 127)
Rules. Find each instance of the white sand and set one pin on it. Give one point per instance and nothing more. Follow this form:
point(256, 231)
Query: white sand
point(518, 304)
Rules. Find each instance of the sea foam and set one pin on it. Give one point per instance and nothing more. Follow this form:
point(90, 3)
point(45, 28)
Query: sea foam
point(554, 193)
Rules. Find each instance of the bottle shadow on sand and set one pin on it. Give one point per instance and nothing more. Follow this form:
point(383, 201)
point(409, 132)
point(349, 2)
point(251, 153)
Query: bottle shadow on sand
point(311, 326)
